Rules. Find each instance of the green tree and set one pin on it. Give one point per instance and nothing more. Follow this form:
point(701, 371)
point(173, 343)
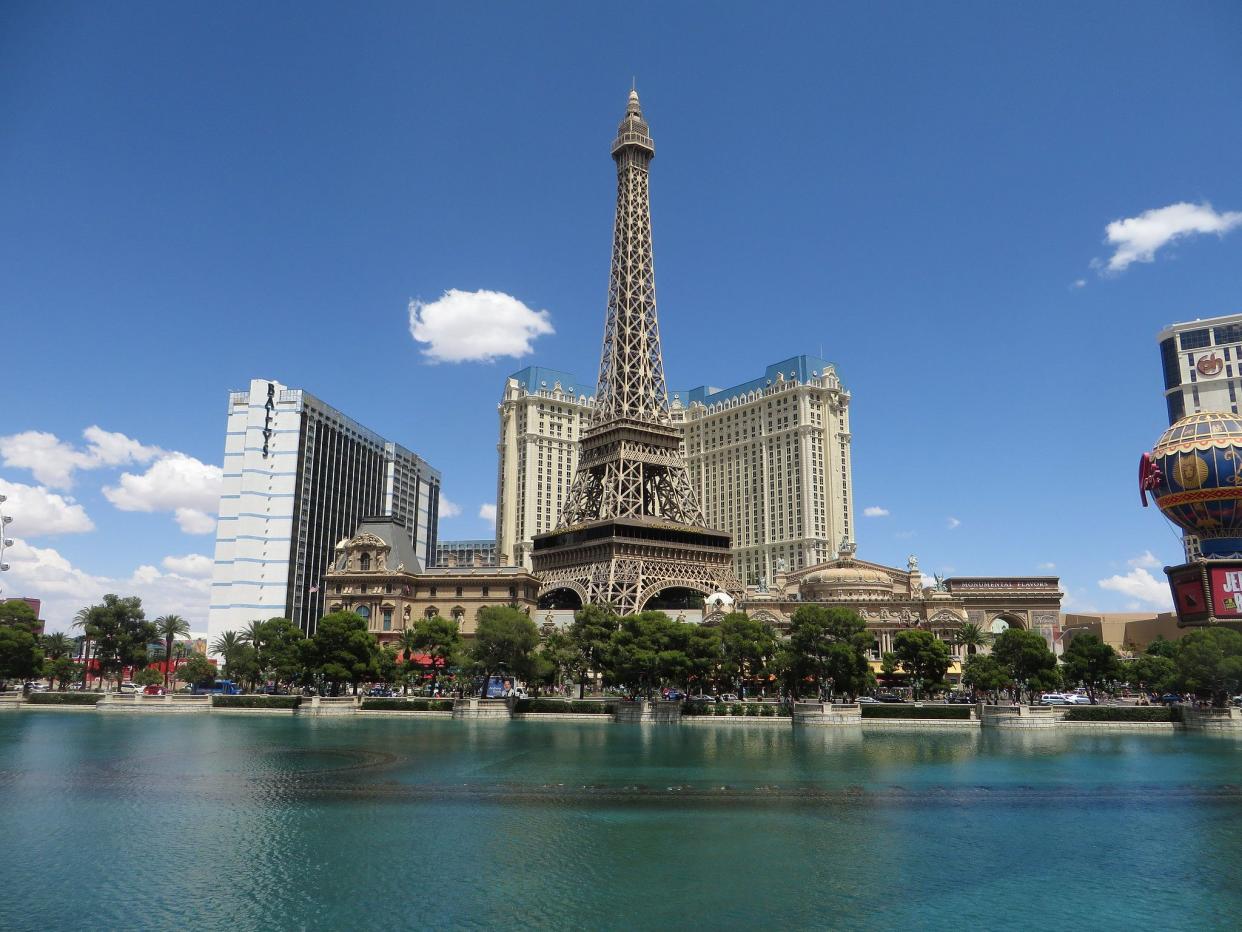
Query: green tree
point(170, 627)
point(20, 657)
point(828, 645)
point(972, 637)
point(1162, 647)
point(643, 653)
point(440, 639)
point(559, 659)
point(149, 677)
point(504, 642)
point(121, 633)
point(591, 633)
point(58, 670)
point(409, 646)
point(1209, 663)
point(1090, 661)
point(279, 648)
point(197, 671)
point(17, 613)
point(1153, 673)
point(344, 649)
point(82, 621)
point(983, 673)
point(704, 650)
point(925, 659)
point(747, 647)
point(1026, 658)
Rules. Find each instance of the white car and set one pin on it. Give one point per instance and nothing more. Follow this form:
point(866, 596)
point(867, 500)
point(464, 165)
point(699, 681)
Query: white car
point(130, 688)
point(1077, 699)
point(1055, 699)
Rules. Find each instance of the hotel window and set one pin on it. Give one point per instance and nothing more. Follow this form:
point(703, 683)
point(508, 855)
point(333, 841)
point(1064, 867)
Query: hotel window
point(387, 619)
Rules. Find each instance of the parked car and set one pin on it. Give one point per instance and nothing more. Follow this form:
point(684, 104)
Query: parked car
point(382, 691)
point(153, 691)
point(702, 698)
point(674, 695)
point(889, 699)
point(965, 698)
point(1170, 699)
point(870, 700)
point(729, 697)
point(1055, 699)
point(130, 689)
point(1077, 699)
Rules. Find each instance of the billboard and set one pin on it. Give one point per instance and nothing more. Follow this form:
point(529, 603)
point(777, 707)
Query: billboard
point(1226, 583)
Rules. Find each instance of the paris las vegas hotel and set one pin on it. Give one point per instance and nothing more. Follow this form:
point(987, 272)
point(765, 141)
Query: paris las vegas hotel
point(769, 460)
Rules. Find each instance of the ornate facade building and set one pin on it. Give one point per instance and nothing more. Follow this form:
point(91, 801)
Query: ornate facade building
point(377, 574)
point(891, 600)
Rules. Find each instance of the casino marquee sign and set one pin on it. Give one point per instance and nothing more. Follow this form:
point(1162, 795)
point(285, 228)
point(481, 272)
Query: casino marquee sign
point(1207, 591)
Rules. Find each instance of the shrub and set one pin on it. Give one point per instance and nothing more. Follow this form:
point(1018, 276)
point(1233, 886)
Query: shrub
point(255, 702)
point(722, 708)
point(737, 709)
point(767, 709)
point(379, 704)
point(1112, 713)
point(961, 712)
point(752, 708)
point(577, 706)
point(784, 710)
point(64, 698)
point(698, 708)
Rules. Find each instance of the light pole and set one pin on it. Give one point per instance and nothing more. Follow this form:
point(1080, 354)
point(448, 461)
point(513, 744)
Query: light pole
point(5, 542)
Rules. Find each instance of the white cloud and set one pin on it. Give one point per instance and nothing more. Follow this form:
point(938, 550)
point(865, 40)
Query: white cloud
point(1147, 559)
point(488, 513)
point(448, 509)
point(193, 565)
point(1079, 283)
point(53, 462)
point(1047, 566)
point(476, 325)
point(43, 573)
point(953, 523)
point(875, 511)
point(36, 512)
point(1140, 586)
point(177, 483)
point(1139, 238)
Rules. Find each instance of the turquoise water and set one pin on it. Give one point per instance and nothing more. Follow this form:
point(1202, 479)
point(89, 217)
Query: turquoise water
point(240, 823)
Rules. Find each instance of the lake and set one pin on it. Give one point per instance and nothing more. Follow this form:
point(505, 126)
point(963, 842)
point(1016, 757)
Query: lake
point(135, 821)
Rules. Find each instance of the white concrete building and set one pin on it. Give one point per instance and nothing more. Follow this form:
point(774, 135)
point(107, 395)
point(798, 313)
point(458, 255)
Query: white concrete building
point(299, 476)
point(1202, 362)
point(769, 459)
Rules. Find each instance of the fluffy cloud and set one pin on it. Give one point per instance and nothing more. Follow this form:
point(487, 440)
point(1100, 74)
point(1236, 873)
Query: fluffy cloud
point(953, 523)
point(1146, 558)
point(193, 565)
point(1048, 566)
point(448, 509)
point(53, 462)
point(875, 511)
point(43, 573)
point(1140, 586)
point(476, 325)
point(178, 483)
point(1137, 239)
point(36, 512)
point(488, 513)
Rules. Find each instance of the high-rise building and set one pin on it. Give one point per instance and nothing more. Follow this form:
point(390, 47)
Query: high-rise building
point(466, 553)
point(542, 415)
point(631, 532)
point(1202, 361)
point(770, 461)
point(298, 477)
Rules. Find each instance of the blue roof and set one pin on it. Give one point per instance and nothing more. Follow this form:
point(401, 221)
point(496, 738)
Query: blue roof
point(800, 368)
point(538, 378)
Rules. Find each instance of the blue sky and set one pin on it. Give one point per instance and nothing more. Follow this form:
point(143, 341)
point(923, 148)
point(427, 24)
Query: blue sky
point(195, 195)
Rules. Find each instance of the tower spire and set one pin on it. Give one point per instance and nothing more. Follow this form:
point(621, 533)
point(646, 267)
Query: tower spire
point(631, 526)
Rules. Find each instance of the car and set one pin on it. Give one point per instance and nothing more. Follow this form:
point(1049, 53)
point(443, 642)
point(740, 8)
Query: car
point(729, 697)
point(889, 699)
point(964, 698)
point(674, 695)
point(1055, 699)
point(870, 700)
point(1076, 699)
point(153, 690)
point(701, 698)
point(1170, 699)
point(381, 691)
point(130, 689)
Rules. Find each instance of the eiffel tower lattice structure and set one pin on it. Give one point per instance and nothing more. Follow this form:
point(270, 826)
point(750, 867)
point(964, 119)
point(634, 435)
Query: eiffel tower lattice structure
point(632, 528)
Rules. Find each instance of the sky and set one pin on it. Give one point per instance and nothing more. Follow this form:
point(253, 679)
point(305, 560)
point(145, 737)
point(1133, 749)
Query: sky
point(982, 213)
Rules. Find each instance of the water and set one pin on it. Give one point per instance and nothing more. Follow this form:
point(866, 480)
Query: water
point(230, 822)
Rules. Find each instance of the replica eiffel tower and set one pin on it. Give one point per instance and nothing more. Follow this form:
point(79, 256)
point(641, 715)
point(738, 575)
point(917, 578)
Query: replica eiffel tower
point(632, 528)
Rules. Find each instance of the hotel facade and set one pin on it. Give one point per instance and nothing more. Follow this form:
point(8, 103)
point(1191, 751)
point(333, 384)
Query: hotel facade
point(298, 477)
point(769, 460)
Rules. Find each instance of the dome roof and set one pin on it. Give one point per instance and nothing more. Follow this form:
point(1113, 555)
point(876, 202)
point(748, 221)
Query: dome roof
point(849, 577)
point(1200, 432)
point(1194, 472)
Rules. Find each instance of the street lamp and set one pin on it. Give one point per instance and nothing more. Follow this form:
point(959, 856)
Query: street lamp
point(5, 542)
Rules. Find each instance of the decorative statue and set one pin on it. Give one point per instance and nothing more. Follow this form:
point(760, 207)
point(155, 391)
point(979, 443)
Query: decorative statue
point(939, 586)
point(763, 584)
point(780, 564)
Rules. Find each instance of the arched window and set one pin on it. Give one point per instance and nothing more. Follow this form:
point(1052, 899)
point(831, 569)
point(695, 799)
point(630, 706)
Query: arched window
point(364, 611)
point(364, 562)
point(431, 612)
point(459, 613)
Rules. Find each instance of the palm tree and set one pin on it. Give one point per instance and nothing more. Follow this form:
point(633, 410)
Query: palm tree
point(972, 637)
point(227, 645)
point(170, 628)
point(57, 645)
point(83, 620)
